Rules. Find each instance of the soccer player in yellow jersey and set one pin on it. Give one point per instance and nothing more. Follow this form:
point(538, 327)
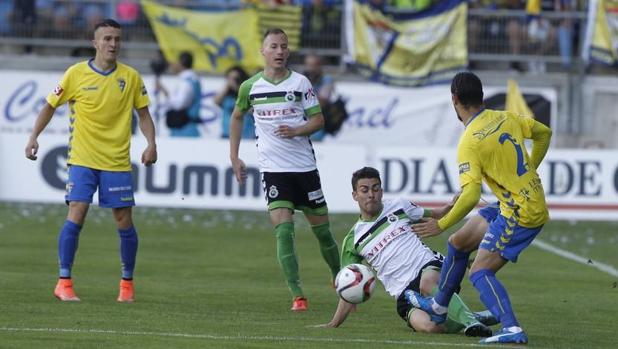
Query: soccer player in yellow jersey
point(102, 94)
point(491, 149)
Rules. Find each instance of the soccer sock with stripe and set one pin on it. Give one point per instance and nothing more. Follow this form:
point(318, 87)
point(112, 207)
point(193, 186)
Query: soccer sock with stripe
point(459, 312)
point(284, 233)
point(451, 275)
point(328, 247)
point(67, 246)
point(494, 296)
point(128, 251)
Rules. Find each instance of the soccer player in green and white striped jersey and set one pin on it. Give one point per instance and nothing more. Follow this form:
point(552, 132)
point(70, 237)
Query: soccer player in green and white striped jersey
point(286, 112)
point(384, 239)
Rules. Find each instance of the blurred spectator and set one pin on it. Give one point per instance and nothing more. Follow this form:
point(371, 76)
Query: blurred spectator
point(127, 12)
point(323, 85)
point(226, 99)
point(185, 101)
point(566, 30)
point(24, 19)
point(321, 24)
point(6, 14)
point(541, 36)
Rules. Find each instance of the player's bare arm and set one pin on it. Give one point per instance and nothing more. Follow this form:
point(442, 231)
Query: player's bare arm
point(45, 115)
point(315, 123)
point(238, 165)
point(464, 203)
point(343, 310)
point(149, 156)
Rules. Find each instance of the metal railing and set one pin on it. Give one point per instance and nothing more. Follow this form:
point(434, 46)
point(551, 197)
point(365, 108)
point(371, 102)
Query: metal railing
point(493, 35)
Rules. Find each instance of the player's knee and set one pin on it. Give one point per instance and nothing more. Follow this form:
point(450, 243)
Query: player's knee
point(77, 212)
point(420, 322)
point(123, 217)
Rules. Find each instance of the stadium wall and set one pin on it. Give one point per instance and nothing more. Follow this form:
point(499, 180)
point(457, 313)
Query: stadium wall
point(409, 135)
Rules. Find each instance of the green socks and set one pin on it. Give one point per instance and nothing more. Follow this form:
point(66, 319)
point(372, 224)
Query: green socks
point(328, 247)
point(286, 255)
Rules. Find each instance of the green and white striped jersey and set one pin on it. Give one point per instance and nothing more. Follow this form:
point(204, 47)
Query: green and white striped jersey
point(288, 102)
point(389, 245)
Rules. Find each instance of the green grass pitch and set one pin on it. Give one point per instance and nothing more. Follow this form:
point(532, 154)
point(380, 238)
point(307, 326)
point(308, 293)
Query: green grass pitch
point(210, 279)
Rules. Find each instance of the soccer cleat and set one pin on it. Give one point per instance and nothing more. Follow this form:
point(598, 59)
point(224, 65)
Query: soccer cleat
point(477, 329)
point(64, 291)
point(299, 304)
point(424, 304)
point(507, 335)
point(486, 318)
point(126, 295)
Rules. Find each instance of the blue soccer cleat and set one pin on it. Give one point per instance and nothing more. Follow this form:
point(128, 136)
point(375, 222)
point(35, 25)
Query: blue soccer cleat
point(507, 335)
point(424, 304)
point(486, 318)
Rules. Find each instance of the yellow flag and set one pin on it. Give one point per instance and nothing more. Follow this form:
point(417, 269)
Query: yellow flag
point(533, 7)
point(217, 40)
point(515, 101)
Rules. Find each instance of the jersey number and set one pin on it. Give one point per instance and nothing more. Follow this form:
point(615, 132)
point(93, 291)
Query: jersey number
point(522, 167)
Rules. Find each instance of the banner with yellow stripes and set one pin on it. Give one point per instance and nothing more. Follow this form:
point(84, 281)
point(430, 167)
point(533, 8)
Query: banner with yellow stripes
point(601, 44)
point(408, 50)
point(217, 40)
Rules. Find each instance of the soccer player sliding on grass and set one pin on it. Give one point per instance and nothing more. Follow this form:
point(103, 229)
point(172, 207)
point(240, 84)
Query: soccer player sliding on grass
point(383, 237)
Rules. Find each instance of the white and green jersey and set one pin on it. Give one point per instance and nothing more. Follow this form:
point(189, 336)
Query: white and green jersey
point(288, 102)
point(389, 245)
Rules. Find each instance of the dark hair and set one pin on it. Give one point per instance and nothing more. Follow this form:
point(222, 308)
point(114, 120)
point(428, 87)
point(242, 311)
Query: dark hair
point(242, 74)
point(468, 89)
point(365, 172)
point(108, 22)
point(186, 59)
point(273, 31)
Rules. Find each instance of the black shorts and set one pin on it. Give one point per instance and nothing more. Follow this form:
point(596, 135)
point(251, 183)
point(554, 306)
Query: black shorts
point(296, 191)
point(403, 307)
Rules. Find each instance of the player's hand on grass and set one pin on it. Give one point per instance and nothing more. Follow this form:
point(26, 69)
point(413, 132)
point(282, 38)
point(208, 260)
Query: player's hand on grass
point(149, 156)
point(240, 170)
point(285, 131)
point(428, 227)
point(32, 148)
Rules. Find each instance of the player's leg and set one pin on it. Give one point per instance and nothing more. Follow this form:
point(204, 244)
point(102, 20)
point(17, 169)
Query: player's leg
point(81, 185)
point(286, 254)
point(459, 316)
point(504, 242)
point(116, 192)
point(313, 204)
point(460, 244)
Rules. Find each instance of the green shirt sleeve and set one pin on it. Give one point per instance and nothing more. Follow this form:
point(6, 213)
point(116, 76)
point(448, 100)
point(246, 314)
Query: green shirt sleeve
point(348, 252)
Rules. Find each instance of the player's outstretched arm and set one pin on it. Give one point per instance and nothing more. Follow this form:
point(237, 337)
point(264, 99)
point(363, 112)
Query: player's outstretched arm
point(149, 156)
point(238, 165)
point(541, 136)
point(343, 309)
point(45, 115)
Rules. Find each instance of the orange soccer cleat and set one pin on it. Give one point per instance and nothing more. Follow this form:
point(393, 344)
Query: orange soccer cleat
point(126, 295)
point(299, 304)
point(64, 291)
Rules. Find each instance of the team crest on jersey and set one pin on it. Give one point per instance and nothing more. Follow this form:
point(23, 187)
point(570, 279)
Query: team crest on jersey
point(122, 83)
point(144, 92)
point(289, 96)
point(58, 90)
point(273, 192)
point(392, 218)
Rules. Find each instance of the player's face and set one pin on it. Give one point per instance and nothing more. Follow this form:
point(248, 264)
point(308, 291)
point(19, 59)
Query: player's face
point(275, 51)
point(368, 194)
point(107, 43)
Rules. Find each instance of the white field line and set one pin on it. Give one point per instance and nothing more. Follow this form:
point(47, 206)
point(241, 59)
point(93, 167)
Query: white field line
point(606, 268)
point(247, 338)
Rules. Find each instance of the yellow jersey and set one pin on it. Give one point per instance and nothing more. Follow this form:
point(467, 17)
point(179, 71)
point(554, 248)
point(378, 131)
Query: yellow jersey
point(100, 110)
point(492, 148)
